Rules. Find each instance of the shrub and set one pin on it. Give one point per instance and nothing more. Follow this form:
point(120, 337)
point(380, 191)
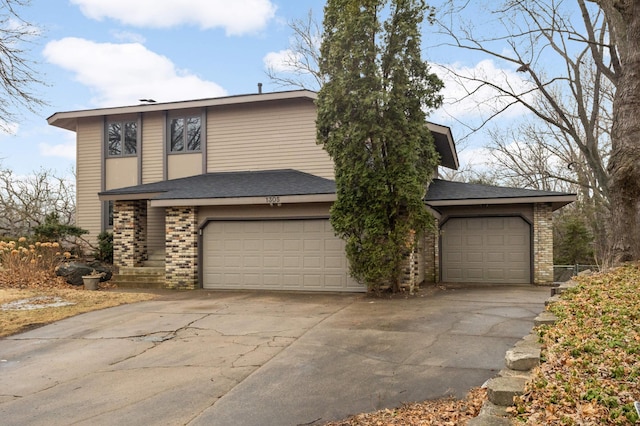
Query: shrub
point(54, 230)
point(22, 262)
point(104, 253)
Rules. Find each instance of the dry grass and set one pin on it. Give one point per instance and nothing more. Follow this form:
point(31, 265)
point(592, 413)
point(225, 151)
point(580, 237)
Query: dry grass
point(16, 321)
point(27, 271)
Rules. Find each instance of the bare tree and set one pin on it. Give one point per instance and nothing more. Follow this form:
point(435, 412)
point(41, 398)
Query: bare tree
point(299, 67)
point(17, 73)
point(25, 201)
point(569, 90)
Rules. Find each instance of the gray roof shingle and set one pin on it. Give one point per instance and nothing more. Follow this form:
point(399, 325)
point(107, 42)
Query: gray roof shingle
point(443, 190)
point(293, 182)
point(234, 185)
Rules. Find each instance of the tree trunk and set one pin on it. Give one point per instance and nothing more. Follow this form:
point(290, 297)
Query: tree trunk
point(624, 164)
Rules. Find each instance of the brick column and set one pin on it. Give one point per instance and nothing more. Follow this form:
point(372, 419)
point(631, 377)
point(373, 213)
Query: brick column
point(129, 233)
point(542, 244)
point(431, 254)
point(181, 263)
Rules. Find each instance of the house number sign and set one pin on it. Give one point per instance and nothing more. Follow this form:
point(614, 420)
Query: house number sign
point(273, 200)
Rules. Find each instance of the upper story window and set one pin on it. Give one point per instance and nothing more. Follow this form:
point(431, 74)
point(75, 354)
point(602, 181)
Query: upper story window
point(185, 134)
point(122, 138)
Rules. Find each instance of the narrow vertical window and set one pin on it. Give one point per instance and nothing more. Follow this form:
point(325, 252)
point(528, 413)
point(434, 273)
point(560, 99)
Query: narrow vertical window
point(193, 134)
point(110, 214)
point(115, 139)
point(177, 135)
point(130, 138)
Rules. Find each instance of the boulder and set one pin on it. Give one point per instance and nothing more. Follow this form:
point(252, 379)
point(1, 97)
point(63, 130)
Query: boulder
point(72, 272)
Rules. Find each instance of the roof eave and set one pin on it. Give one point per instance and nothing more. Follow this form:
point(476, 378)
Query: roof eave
point(557, 201)
point(67, 120)
point(444, 145)
point(237, 201)
point(106, 196)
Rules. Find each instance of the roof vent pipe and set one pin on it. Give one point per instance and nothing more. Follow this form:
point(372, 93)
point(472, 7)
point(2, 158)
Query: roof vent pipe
point(259, 88)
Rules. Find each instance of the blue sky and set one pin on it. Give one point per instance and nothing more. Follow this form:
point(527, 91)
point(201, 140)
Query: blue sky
point(97, 53)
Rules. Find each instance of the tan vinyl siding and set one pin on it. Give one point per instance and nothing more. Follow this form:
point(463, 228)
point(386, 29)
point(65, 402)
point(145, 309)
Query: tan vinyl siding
point(266, 136)
point(152, 147)
point(184, 165)
point(121, 172)
point(89, 180)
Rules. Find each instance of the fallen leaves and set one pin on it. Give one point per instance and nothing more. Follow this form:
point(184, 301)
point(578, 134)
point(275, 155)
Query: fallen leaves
point(445, 412)
point(591, 373)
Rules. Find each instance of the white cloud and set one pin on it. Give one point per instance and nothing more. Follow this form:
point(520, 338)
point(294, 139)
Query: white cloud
point(237, 17)
point(128, 36)
point(120, 74)
point(282, 61)
point(63, 150)
point(9, 128)
point(465, 99)
point(475, 158)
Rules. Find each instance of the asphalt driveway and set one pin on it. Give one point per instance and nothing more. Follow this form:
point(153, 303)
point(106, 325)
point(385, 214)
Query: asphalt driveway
point(217, 358)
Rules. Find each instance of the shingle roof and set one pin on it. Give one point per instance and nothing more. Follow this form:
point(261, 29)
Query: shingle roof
point(287, 182)
point(234, 185)
point(443, 190)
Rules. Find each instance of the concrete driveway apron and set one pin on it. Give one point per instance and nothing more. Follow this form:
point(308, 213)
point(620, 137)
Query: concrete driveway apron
point(214, 358)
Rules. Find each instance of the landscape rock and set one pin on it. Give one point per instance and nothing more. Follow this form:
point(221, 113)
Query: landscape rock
point(545, 318)
point(501, 390)
point(522, 358)
point(72, 272)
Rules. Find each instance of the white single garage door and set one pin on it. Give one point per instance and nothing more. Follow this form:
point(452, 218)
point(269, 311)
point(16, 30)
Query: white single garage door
point(275, 255)
point(486, 250)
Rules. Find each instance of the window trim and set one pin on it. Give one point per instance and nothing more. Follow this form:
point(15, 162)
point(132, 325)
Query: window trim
point(123, 123)
point(184, 116)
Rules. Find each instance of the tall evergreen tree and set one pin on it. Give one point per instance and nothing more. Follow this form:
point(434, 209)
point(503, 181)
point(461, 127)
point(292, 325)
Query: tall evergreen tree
point(372, 122)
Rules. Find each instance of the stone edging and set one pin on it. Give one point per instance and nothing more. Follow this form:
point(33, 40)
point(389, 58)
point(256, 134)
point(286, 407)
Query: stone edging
point(520, 361)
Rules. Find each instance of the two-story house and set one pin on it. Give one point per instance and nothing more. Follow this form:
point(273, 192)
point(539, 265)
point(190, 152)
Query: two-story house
point(234, 193)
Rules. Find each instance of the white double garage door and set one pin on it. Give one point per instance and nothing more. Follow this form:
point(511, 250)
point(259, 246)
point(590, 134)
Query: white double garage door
point(292, 254)
point(305, 255)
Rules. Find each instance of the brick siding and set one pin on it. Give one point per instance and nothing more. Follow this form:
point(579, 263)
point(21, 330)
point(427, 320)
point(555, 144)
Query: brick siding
point(181, 262)
point(129, 233)
point(542, 244)
point(431, 254)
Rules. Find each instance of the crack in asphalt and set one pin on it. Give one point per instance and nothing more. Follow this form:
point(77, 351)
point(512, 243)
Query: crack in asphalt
point(305, 332)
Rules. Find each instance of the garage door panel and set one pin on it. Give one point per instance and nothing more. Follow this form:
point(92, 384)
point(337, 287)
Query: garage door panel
point(312, 245)
point(473, 273)
point(333, 262)
point(496, 257)
point(275, 254)
point(291, 226)
point(291, 245)
point(232, 245)
point(270, 245)
point(474, 257)
point(312, 262)
point(495, 240)
point(496, 274)
point(291, 262)
point(494, 249)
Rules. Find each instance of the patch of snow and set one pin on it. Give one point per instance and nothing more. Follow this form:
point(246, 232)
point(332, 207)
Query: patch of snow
point(39, 302)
